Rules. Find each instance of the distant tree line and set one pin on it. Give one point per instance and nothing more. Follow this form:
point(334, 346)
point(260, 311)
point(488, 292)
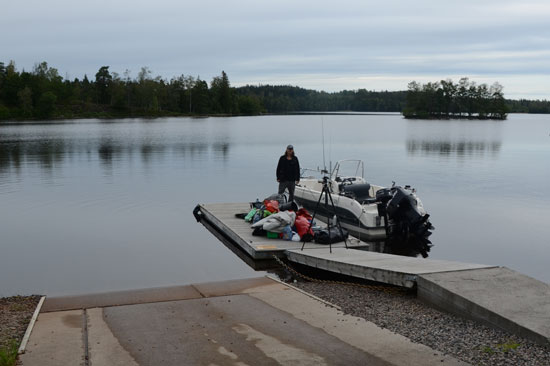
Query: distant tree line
point(42, 94)
point(528, 106)
point(288, 99)
point(465, 99)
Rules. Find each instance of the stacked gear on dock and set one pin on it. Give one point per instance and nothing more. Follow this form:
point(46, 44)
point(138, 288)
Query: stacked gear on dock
point(277, 219)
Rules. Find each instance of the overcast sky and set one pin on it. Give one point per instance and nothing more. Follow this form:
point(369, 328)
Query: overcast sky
point(377, 45)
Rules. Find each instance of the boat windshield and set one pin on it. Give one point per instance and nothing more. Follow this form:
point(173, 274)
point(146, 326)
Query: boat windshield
point(348, 168)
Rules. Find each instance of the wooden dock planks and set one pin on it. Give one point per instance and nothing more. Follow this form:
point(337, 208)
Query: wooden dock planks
point(221, 216)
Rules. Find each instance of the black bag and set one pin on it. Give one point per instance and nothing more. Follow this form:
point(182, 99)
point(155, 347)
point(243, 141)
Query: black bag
point(323, 236)
point(259, 232)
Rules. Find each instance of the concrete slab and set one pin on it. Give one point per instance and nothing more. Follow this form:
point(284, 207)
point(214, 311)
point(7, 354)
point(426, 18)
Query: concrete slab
point(120, 298)
point(221, 217)
point(103, 347)
point(56, 339)
point(499, 297)
point(380, 267)
point(236, 329)
point(241, 286)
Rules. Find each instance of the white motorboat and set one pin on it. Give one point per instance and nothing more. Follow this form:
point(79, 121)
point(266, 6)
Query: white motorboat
point(367, 211)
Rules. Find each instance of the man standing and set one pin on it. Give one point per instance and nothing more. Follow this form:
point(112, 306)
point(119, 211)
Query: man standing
point(288, 172)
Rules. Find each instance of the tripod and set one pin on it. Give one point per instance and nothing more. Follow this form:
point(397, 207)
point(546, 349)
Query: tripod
point(328, 196)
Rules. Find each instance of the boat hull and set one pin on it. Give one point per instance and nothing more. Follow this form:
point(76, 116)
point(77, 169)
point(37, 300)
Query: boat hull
point(360, 223)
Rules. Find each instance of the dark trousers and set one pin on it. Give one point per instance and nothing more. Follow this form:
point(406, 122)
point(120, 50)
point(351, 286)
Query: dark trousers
point(290, 185)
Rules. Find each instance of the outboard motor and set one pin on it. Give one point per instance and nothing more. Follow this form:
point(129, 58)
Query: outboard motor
point(403, 218)
point(403, 205)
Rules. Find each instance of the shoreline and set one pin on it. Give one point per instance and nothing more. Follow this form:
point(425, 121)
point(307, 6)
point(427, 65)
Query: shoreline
point(13, 121)
point(15, 315)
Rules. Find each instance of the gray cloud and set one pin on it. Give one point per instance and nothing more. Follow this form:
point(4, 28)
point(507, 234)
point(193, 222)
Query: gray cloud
point(343, 45)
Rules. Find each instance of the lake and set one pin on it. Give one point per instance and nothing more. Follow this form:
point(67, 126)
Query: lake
point(100, 205)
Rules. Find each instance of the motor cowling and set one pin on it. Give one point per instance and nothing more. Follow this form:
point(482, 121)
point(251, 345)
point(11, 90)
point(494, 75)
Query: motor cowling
point(403, 207)
point(404, 218)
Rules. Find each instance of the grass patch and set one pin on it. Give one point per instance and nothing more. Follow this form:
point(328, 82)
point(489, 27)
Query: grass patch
point(507, 347)
point(502, 347)
point(18, 307)
point(8, 354)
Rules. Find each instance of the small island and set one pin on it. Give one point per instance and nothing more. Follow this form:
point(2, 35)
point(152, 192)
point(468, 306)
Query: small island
point(446, 100)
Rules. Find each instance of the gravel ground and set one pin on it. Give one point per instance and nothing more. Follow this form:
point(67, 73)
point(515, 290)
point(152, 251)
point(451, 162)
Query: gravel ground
point(404, 314)
point(15, 314)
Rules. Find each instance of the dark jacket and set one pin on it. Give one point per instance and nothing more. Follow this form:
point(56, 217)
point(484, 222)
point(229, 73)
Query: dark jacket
point(288, 170)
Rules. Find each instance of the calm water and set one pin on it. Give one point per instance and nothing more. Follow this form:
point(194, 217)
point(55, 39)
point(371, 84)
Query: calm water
point(93, 205)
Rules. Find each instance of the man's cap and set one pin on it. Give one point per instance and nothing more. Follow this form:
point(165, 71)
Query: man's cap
point(290, 147)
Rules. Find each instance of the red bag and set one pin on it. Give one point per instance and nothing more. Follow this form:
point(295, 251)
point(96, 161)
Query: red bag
point(302, 225)
point(271, 205)
point(303, 212)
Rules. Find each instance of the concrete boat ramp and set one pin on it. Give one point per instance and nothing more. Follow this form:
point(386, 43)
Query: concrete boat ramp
point(494, 295)
point(257, 321)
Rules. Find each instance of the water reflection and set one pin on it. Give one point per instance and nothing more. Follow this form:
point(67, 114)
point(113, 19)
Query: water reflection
point(49, 154)
point(398, 247)
point(106, 151)
point(448, 148)
point(191, 150)
point(221, 149)
point(10, 156)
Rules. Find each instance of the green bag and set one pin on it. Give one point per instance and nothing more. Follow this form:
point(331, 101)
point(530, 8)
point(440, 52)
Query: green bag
point(272, 235)
point(250, 215)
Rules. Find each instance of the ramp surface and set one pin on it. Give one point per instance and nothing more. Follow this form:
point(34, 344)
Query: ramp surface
point(241, 322)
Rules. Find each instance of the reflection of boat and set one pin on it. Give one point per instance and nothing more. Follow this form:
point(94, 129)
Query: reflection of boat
point(367, 211)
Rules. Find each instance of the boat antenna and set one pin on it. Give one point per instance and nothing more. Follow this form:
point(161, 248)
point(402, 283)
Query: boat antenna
point(330, 152)
point(323, 138)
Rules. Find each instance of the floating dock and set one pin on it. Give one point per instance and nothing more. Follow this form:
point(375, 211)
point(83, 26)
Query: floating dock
point(494, 295)
point(220, 219)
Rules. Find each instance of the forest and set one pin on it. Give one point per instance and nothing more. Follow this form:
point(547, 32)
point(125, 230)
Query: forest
point(42, 93)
